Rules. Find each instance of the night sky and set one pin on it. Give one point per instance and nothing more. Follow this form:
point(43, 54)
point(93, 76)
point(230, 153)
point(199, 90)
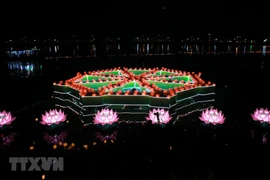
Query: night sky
point(222, 18)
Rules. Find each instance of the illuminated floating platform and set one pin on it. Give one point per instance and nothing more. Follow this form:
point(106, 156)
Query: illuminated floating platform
point(132, 93)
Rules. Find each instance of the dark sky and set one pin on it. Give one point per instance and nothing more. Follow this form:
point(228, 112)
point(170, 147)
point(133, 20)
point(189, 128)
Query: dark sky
point(220, 17)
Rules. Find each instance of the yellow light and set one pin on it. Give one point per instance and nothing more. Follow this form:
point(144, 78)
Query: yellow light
point(65, 144)
point(36, 119)
point(31, 148)
point(94, 143)
point(72, 145)
point(55, 146)
point(67, 121)
point(43, 177)
point(85, 146)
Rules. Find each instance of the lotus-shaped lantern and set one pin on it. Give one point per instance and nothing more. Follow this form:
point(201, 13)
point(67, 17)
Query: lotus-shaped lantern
point(212, 116)
point(261, 115)
point(6, 118)
point(53, 117)
point(159, 116)
point(106, 116)
point(55, 139)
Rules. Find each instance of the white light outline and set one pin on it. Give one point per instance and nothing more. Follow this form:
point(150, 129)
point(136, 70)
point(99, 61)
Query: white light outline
point(97, 96)
point(108, 105)
point(87, 115)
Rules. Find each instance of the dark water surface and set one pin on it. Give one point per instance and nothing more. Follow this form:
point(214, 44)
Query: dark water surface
point(183, 150)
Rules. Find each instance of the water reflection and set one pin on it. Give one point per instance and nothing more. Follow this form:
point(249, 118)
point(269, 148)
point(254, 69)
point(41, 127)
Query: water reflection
point(56, 138)
point(190, 49)
point(104, 137)
point(141, 49)
point(20, 53)
point(24, 69)
point(7, 139)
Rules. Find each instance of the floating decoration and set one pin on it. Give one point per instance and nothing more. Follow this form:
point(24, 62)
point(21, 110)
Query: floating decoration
point(159, 116)
point(53, 117)
point(6, 118)
point(212, 116)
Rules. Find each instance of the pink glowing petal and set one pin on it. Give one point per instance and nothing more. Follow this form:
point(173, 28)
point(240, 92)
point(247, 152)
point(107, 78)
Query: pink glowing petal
point(6, 118)
point(53, 117)
point(212, 116)
point(106, 116)
point(261, 115)
point(164, 116)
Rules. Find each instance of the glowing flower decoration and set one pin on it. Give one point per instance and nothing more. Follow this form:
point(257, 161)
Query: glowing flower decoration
point(212, 116)
point(261, 115)
point(55, 139)
point(158, 116)
point(6, 118)
point(106, 116)
point(53, 117)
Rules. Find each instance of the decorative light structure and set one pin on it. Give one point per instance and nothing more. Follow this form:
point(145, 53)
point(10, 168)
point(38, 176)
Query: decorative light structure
point(261, 115)
point(159, 116)
point(212, 116)
point(53, 117)
point(55, 139)
point(6, 118)
point(141, 87)
point(106, 116)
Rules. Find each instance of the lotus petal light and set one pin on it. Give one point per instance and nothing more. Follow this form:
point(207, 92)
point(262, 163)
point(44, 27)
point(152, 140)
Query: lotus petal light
point(212, 116)
point(6, 118)
point(106, 116)
point(53, 117)
point(55, 139)
point(158, 116)
point(261, 115)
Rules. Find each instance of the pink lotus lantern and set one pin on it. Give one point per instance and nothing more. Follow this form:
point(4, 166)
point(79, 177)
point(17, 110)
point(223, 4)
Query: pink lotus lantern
point(158, 116)
point(106, 116)
point(53, 117)
point(212, 116)
point(6, 118)
point(261, 115)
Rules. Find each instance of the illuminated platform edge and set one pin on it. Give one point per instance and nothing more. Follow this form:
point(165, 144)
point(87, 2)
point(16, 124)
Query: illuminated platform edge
point(183, 102)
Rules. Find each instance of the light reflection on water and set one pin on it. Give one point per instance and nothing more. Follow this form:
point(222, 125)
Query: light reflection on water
point(24, 69)
point(140, 49)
